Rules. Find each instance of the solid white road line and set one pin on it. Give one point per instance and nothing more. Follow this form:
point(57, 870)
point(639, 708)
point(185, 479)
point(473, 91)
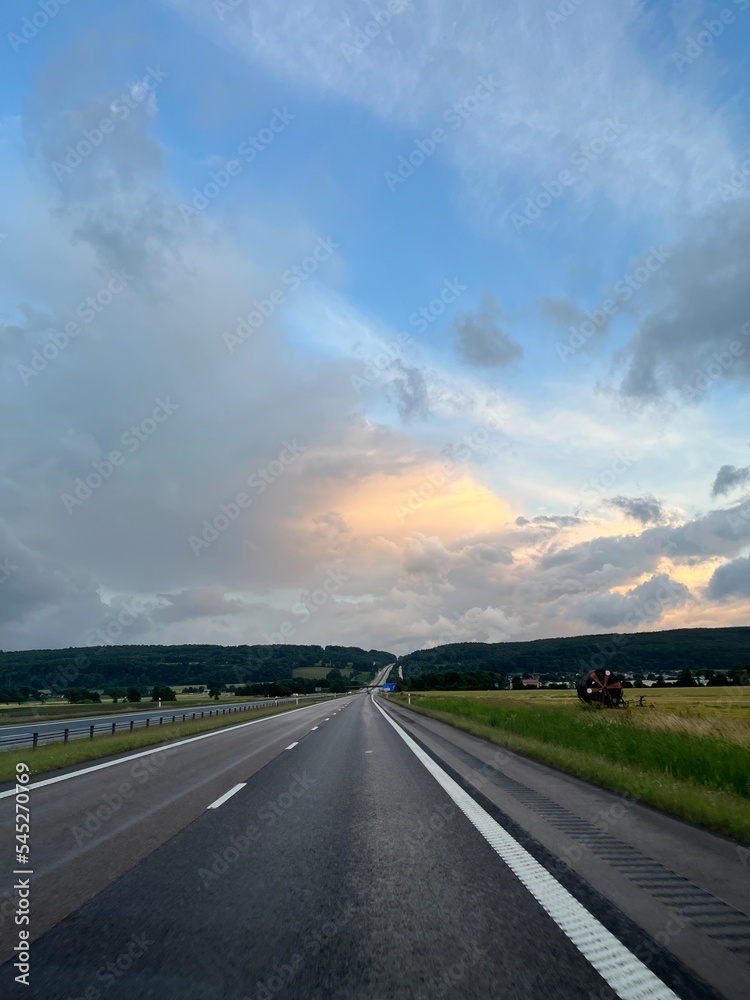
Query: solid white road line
point(226, 795)
point(625, 974)
point(292, 746)
point(155, 749)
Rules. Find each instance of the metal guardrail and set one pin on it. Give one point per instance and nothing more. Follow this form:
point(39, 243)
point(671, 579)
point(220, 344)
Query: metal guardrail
point(78, 730)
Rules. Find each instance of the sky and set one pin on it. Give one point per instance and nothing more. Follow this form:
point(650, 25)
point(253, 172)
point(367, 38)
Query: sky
point(384, 323)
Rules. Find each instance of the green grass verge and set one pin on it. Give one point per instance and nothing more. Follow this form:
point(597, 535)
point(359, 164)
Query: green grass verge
point(705, 781)
point(53, 756)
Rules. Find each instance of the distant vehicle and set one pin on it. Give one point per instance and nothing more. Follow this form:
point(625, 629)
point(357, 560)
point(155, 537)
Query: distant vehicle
point(600, 687)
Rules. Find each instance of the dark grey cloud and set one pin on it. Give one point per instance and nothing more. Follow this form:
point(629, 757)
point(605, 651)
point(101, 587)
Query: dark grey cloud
point(728, 478)
point(481, 341)
point(696, 308)
point(644, 603)
point(646, 509)
point(731, 580)
point(409, 386)
point(197, 603)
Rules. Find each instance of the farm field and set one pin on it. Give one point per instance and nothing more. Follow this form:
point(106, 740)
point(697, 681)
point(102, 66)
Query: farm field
point(687, 751)
point(315, 673)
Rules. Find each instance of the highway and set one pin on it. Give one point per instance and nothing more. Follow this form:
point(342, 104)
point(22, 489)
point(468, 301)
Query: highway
point(15, 734)
point(357, 850)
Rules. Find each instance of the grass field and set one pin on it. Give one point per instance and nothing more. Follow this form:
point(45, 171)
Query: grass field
point(687, 751)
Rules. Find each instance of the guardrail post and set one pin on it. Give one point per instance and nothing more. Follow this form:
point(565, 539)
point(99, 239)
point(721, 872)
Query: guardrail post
point(201, 715)
point(65, 735)
point(161, 719)
point(36, 738)
point(147, 721)
point(91, 731)
point(132, 723)
point(174, 717)
point(114, 726)
point(183, 716)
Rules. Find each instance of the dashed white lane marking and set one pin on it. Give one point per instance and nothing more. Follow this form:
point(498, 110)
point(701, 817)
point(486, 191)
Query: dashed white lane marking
point(292, 746)
point(625, 974)
point(162, 748)
point(227, 795)
point(314, 728)
point(369, 751)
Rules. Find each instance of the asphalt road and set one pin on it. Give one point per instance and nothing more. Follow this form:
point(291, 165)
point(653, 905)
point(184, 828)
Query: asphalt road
point(327, 853)
point(15, 734)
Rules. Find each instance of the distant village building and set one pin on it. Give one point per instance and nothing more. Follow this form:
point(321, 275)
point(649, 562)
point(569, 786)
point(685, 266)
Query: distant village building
point(531, 682)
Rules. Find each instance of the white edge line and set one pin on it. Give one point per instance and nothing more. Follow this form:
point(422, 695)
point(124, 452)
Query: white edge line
point(227, 795)
point(616, 964)
point(152, 750)
point(292, 746)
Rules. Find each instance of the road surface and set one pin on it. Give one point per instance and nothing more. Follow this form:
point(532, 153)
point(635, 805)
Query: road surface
point(14, 734)
point(349, 850)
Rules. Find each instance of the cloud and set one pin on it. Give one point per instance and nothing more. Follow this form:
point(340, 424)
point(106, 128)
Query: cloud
point(645, 603)
point(409, 385)
point(186, 605)
point(551, 520)
point(731, 580)
point(646, 509)
point(693, 335)
point(728, 478)
point(479, 339)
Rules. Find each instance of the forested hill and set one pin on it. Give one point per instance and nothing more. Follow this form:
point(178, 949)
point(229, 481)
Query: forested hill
point(103, 667)
point(646, 652)
point(99, 667)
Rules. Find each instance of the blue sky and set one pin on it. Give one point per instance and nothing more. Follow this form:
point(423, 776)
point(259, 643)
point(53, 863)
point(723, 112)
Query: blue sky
point(515, 373)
